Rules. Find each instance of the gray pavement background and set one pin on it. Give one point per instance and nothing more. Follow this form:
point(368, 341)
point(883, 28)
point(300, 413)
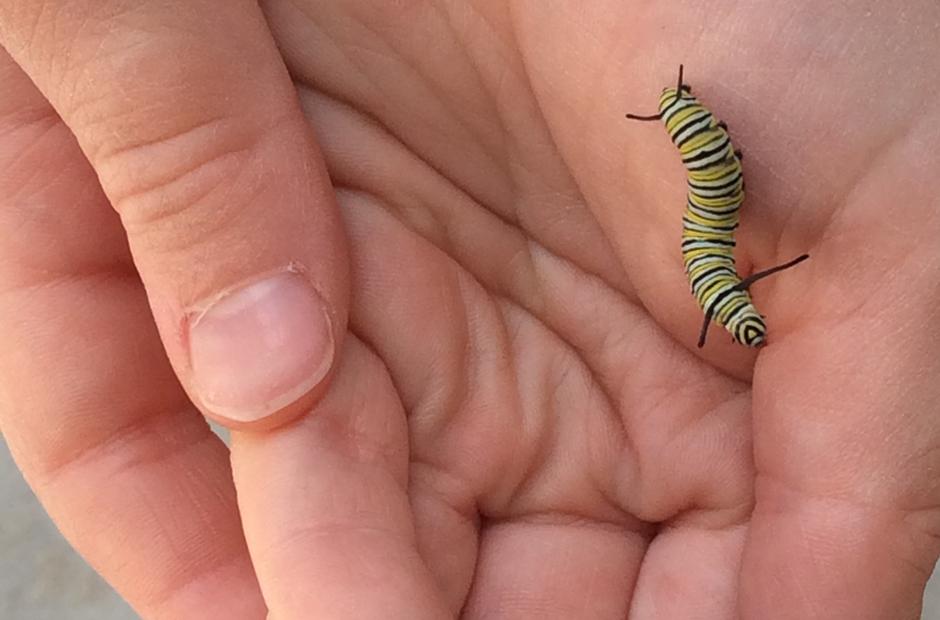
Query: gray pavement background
point(41, 578)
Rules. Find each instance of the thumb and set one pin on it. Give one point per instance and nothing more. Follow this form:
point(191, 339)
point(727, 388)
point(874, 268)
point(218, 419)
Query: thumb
point(191, 121)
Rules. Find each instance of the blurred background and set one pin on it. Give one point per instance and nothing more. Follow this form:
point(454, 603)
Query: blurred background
point(41, 578)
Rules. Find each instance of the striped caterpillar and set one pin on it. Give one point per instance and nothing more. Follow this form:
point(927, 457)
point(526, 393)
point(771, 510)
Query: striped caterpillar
point(716, 191)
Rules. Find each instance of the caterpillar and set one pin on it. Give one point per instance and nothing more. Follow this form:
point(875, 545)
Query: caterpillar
point(716, 191)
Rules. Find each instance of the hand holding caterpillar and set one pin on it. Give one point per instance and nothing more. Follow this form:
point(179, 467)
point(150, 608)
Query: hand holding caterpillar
point(716, 191)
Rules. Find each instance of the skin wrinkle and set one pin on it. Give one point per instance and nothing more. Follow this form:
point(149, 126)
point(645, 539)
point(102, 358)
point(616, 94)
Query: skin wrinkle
point(528, 72)
point(350, 438)
point(502, 156)
point(194, 132)
point(469, 361)
point(509, 294)
point(193, 579)
point(462, 503)
point(504, 355)
point(24, 119)
point(547, 438)
point(572, 519)
point(23, 197)
point(403, 212)
point(178, 406)
point(543, 450)
point(611, 413)
point(440, 95)
point(637, 299)
point(237, 152)
point(455, 412)
point(855, 503)
point(37, 278)
point(507, 213)
point(498, 212)
point(570, 176)
point(297, 73)
point(165, 603)
point(320, 529)
point(348, 184)
point(222, 559)
point(415, 409)
point(516, 217)
point(711, 518)
point(116, 440)
point(862, 506)
point(426, 483)
point(155, 196)
point(618, 415)
point(924, 521)
point(565, 342)
point(707, 411)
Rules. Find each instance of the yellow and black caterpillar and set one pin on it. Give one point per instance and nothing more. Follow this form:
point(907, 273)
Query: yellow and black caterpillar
point(716, 191)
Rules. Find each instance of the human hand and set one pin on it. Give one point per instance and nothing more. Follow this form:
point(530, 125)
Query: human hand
point(518, 291)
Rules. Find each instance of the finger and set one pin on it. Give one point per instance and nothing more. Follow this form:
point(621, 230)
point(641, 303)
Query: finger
point(91, 410)
point(555, 569)
point(191, 122)
point(325, 505)
point(690, 571)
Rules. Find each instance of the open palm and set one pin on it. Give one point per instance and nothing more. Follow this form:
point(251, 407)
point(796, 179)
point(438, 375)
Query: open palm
point(520, 425)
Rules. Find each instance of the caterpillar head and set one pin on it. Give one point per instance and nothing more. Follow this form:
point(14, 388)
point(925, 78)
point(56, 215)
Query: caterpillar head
point(669, 96)
point(672, 93)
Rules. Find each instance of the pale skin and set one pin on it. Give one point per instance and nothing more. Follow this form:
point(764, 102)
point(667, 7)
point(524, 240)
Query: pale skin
point(520, 424)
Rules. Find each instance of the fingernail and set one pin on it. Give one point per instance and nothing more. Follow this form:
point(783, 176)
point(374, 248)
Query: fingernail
point(260, 347)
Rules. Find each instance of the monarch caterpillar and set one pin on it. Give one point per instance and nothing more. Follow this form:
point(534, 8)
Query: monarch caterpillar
point(716, 191)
